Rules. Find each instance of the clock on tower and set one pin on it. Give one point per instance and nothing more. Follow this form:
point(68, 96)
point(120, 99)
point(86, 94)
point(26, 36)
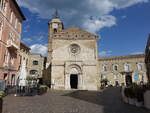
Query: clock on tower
point(55, 25)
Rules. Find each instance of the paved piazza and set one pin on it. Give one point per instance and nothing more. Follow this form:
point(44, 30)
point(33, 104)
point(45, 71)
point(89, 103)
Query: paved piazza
point(108, 101)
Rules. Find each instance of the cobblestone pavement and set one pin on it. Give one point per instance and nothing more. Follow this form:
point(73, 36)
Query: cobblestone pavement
point(108, 101)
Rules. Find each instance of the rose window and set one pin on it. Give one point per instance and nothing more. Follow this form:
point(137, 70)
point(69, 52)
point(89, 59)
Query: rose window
point(74, 49)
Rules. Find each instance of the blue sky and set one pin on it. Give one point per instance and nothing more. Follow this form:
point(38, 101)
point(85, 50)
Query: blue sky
point(122, 25)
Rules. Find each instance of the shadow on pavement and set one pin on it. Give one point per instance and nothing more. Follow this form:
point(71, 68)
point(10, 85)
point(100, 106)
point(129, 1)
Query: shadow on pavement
point(109, 99)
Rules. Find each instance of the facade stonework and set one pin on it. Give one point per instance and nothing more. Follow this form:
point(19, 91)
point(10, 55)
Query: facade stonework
point(72, 58)
point(123, 69)
point(11, 19)
point(35, 65)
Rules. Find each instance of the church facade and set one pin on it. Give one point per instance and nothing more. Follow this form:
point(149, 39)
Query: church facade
point(72, 58)
point(73, 62)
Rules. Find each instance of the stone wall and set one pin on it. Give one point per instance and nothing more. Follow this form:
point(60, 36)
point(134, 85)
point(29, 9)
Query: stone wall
point(119, 75)
point(83, 63)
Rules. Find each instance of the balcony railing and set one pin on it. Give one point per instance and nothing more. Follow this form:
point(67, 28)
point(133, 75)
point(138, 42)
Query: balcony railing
point(12, 45)
point(6, 67)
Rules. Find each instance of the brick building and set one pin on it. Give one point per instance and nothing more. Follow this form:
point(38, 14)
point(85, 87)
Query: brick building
point(11, 19)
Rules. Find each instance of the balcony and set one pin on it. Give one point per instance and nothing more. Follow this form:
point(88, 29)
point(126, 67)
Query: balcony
point(12, 45)
point(9, 67)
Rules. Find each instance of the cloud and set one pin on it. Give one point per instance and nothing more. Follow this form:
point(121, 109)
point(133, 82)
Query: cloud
point(27, 40)
point(105, 53)
point(39, 37)
point(78, 12)
point(39, 48)
point(26, 28)
point(124, 17)
point(95, 25)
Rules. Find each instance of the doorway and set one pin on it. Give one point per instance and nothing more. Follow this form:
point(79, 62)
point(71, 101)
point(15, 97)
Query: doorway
point(13, 80)
point(74, 81)
point(128, 79)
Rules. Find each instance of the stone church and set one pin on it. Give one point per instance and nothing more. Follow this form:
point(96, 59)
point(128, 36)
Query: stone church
point(72, 61)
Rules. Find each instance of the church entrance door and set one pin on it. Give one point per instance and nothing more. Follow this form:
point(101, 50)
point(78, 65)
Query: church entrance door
point(74, 81)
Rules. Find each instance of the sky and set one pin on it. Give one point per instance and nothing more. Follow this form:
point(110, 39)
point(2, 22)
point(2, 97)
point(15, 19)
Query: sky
point(122, 25)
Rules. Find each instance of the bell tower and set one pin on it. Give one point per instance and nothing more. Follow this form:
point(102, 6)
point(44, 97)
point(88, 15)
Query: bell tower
point(54, 26)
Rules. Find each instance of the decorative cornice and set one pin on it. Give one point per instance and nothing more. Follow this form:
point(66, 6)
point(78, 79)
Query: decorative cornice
point(74, 33)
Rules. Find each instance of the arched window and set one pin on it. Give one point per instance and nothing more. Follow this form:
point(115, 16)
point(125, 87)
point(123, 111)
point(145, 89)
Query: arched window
point(105, 68)
point(139, 66)
point(127, 67)
point(33, 72)
point(1, 4)
point(35, 62)
point(115, 67)
point(55, 30)
point(16, 23)
point(1, 29)
point(11, 17)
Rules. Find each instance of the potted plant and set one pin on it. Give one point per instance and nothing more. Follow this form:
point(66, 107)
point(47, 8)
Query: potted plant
point(2, 94)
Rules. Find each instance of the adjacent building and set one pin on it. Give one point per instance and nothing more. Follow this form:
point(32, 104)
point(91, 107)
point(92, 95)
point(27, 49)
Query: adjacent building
point(11, 19)
point(123, 69)
point(36, 66)
point(147, 58)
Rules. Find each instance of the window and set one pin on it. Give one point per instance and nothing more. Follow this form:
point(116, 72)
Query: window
point(104, 68)
point(33, 72)
point(35, 62)
point(11, 17)
point(6, 57)
point(5, 76)
point(127, 67)
point(139, 66)
point(1, 27)
point(27, 62)
point(13, 79)
point(12, 60)
point(55, 30)
point(115, 67)
point(74, 49)
point(16, 23)
point(11, 36)
point(19, 26)
point(1, 4)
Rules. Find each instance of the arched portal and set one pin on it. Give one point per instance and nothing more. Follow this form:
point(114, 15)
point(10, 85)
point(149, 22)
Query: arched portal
point(73, 78)
point(128, 79)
